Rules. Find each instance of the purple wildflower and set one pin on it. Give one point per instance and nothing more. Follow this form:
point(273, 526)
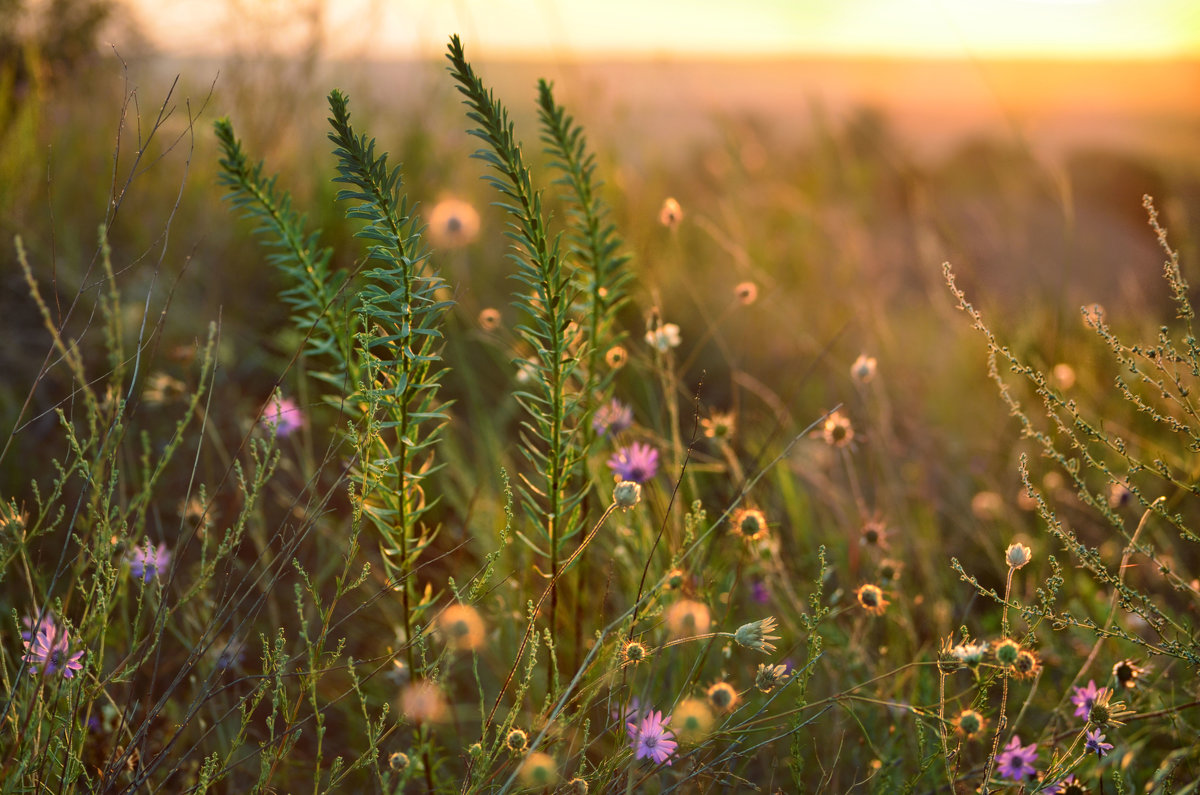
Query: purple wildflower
point(1067, 785)
point(1095, 742)
point(651, 739)
point(1016, 761)
point(1085, 697)
point(284, 415)
point(637, 462)
point(50, 646)
point(147, 562)
point(612, 418)
point(631, 712)
point(759, 592)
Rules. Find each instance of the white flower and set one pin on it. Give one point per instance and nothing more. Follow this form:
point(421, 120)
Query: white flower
point(665, 337)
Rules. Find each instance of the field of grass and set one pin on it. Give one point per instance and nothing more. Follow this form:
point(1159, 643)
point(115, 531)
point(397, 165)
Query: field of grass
point(669, 458)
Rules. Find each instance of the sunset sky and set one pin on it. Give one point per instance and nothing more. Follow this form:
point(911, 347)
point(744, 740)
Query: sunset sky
point(691, 28)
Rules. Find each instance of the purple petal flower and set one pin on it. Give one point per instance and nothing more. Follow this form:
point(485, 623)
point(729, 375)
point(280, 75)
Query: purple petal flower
point(1062, 787)
point(1016, 761)
point(651, 739)
point(1095, 743)
point(637, 462)
point(284, 415)
point(49, 646)
point(147, 562)
point(759, 592)
point(612, 418)
point(1084, 698)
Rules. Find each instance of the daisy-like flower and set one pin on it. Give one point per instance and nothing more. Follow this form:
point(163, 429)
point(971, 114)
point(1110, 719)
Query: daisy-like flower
point(489, 319)
point(874, 534)
point(722, 696)
point(769, 677)
point(969, 654)
point(837, 430)
point(651, 739)
point(1068, 786)
point(1016, 761)
point(1106, 712)
point(749, 523)
point(49, 647)
point(1094, 742)
point(1017, 555)
point(1007, 650)
point(1084, 697)
point(516, 741)
point(671, 213)
point(1027, 665)
point(612, 418)
point(863, 369)
point(664, 337)
point(453, 223)
point(756, 635)
point(719, 425)
point(637, 462)
point(633, 652)
point(147, 562)
point(1126, 672)
point(283, 415)
point(461, 626)
point(870, 598)
point(687, 618)
point(399, 761)
point(616, 357)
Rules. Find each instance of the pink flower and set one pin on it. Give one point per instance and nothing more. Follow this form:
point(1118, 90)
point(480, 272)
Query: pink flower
point(637, 462)
point(651, 739)
point(49, 646)
point(284, 415)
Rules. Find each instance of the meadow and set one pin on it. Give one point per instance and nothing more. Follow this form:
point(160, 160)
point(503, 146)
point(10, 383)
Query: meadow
point(487, 441)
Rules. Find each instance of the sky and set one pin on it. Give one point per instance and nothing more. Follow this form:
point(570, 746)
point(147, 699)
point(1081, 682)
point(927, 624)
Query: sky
point(678, 29)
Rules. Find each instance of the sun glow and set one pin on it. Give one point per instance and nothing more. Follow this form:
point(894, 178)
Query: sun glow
point(1092, 29)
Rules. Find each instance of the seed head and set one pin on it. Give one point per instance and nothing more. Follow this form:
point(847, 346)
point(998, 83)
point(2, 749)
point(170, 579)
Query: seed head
point(722, 696)
point(1007, 651)
point(1017, 555)
point(516, 741)
point(1126, 673)
point(1027, 665)
point(616, 357)
point(489, 319)
point(633, 652)
point(687, 618)
point(398, 761)
point(969, 723)
point(769, 677)
point(627, 494)
point(863, 369)
point(837, 430)
point(1105, 712)
point(871, 598)
point(691, 721)
point(461, 627)
point(756, 635)
point(539, 770)
point(750, 524)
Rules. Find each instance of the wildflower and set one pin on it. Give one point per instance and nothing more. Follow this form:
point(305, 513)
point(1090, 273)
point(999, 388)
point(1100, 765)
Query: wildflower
point(1027, 665)
point(759, 592)
point(874, 534)
point(863, 369)
point(671, 213)
point(1084, 697)
point(1094, 742)
point(453, 223)
point(769, 677)
point(1016, 761)
point(630, 712)
point(870, 598)
point(627, 494)
point(664, 337)
point(1106, 712)
point(749, 523)
point(577, 786)
point(1006, 652)
point(461, 626)
point(692, 720)
point(398, 761)
point(613, 417)
point(722, 696)
point(637, 462)
point(489, 319)
point(1126, 672)
point(718, 426)
point(1063, 376)
point(756, 635)
point(516, 741)
point(969, 654)
point(283, 415)
point(49, 646)
point(147, 562)
point(969, 723)
point(837, 430)
point(539, 770)
point(633, 652)
point(890, 571)
point(616, 357)
point(650, 739)
point(688, 617)
point(1017, 555)
point(674, 579)
point(746, 293)
point(1068, 786)
point(422, 702)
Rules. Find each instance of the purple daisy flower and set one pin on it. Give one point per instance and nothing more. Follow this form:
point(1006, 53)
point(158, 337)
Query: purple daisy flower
point(1062, 787)
point(637, 462)
point(1016, 761)
point(284, 415)
point(49, 646)
point(1084, 698)
point(612, 418)
point(651, 739)
point(1095, 743)
point(147, 562)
